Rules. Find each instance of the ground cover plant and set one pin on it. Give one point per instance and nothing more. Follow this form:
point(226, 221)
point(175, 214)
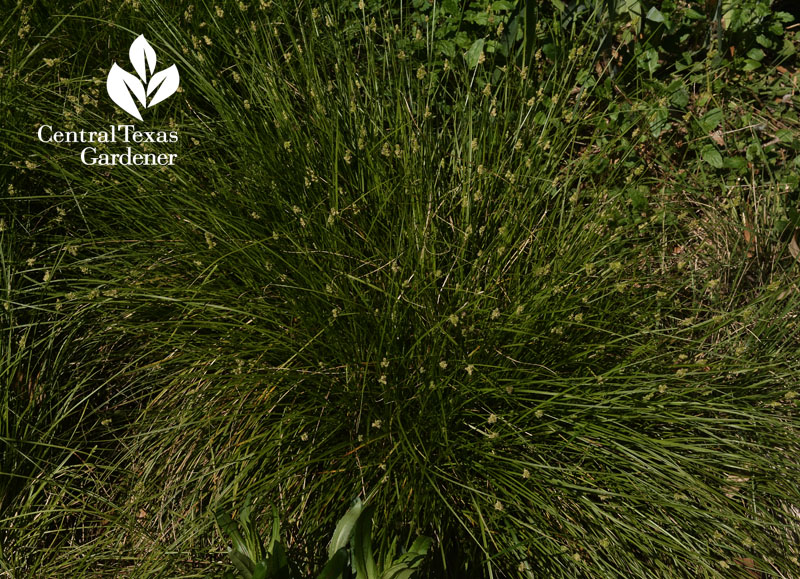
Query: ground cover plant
point(521, 276)
point(349, 551)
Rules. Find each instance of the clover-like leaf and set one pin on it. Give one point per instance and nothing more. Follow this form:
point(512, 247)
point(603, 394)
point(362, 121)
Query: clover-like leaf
point(120, 85)
point(141, 52)
point(166, 81)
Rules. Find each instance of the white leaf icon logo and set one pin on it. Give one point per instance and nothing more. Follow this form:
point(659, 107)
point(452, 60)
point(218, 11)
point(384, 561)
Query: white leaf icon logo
point(166, 82)
point(121, 84)
point(140, 52)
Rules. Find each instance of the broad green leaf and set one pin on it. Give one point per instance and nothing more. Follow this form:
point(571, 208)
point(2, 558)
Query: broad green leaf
point(399, 573)
point(502, 5)
point(550, 50)
point(655, 15)
point(650, 59)
point(756, 54)
point(242, 562)
point(659, 122)
point(361, 553)
point(255, 547)
point(630, 7)
point(280, 562)
point(712, 156)
point(421, 545)
point(473, 55)
point(344, 528)
point(274, 537)
point(231, 528)
point(406, 565)
point(335, 565)
point(678, 96)
point(735, 162)
point(261, 569)
point(753, 151)
point(788, 48)
point(244, 512)
point(712, 119)
point(730, 15)
point(446, 47)
point(764, 41)
point(479, 18)
point(703, 100)
point(750, 65)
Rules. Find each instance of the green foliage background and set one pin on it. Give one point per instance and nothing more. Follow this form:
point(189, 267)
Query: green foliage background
point(523, 274)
